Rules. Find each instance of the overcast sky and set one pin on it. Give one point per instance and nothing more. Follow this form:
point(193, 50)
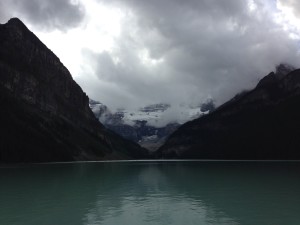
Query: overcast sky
point(130, 53)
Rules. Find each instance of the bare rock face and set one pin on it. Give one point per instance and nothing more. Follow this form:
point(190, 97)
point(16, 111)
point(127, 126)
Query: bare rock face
point(260, 124)
point(45, 115)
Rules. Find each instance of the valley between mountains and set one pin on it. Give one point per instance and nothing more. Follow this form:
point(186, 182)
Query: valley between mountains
point(45, 116)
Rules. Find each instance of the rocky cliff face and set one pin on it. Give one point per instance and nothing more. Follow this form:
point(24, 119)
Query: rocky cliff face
point(45, 115)
point(260, 124)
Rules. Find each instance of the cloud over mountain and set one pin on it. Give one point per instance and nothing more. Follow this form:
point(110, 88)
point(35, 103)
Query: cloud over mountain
point(45, 14)
point(132, 53)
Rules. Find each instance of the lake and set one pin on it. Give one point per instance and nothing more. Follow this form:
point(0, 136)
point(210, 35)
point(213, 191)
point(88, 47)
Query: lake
point(149, 192)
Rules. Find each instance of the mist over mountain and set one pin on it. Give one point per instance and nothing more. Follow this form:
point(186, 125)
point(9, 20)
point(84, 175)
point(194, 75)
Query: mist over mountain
point(44, 114)
point(151, 125)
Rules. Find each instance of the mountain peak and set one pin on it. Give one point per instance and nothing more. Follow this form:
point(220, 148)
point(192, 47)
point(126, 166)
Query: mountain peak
point(16, 23)
point(269, 79)
point(283, 69)
point(15, 29)
point(47, 109)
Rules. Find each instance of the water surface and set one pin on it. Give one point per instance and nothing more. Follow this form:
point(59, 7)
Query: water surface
point(204, 192)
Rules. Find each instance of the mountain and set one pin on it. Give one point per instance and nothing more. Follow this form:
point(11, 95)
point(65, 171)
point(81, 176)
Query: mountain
point(44, 114)
point(263, 123)
point(148, 126)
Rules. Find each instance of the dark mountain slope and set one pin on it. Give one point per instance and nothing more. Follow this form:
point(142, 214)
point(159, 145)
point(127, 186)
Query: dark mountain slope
point(260, 124)
point(44, 114)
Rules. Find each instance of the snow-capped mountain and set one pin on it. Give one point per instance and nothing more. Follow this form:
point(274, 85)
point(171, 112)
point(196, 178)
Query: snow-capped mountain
point(151, 125)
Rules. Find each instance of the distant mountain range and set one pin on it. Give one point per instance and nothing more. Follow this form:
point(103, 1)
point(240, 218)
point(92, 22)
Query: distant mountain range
point(148, 126)
point(44, 114)
point(263, 123)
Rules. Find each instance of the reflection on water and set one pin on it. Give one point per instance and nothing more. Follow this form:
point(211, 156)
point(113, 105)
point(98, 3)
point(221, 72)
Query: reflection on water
point(151, 193)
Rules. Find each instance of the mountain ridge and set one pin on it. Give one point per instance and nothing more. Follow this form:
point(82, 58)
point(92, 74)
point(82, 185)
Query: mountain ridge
point(249, 126)
point(45, 115)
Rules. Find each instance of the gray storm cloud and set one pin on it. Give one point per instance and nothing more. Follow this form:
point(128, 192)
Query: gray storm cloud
point(173, 51)
point(206, 49)
point(45, 14)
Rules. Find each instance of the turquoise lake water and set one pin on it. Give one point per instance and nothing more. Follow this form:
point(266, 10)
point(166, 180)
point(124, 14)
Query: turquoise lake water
point(202, 192)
